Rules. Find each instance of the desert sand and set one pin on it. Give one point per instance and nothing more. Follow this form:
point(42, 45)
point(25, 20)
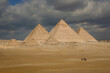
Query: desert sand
point(56, 59)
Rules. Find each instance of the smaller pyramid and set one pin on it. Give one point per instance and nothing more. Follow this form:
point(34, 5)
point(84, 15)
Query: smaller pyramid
point(85, 35)
point(39, 34)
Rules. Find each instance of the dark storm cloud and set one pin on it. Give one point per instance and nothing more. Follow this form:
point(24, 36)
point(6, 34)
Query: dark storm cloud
point(67, 5)
point(3, 6)
point(17, 21)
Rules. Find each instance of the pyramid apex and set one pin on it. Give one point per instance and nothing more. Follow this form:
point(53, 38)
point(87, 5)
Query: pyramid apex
point(80, 27)
point(39, 25)
point(62, 22)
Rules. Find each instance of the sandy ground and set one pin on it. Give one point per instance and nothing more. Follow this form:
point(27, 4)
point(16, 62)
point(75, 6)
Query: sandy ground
point(56, 59)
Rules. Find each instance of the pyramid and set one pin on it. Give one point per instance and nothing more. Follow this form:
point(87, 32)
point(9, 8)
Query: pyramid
point(63, 33)
point(39, 34)
point(85, 35)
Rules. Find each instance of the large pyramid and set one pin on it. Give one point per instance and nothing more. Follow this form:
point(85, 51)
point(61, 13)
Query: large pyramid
point(63, 33)
point(39, 34)
point(85, 35)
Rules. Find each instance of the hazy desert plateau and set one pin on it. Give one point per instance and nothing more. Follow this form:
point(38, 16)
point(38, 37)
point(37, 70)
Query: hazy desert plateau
point(56, 59)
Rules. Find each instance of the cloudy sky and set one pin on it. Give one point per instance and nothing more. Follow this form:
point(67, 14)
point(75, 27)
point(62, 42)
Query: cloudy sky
point(19, 17)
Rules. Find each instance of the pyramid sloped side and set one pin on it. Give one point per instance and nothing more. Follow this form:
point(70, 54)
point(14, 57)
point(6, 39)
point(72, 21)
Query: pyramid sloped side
point(64, 33)
point(85, 35)
point(39, 33)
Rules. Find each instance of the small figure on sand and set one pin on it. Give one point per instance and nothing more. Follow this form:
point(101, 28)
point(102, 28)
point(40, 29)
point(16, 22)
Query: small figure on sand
point(83, 59)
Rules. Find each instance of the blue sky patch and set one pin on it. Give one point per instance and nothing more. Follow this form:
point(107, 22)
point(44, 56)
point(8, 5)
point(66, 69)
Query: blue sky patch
point(14, 2)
